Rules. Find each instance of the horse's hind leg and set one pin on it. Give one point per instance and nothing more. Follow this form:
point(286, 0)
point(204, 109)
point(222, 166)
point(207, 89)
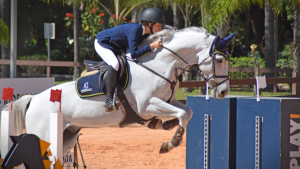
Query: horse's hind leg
point(70, 136)
point(183, 113)
point(167, 125)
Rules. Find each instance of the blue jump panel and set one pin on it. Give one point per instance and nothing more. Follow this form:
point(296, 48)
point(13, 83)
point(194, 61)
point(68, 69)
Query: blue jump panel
point(267, 135)
point(221, 133)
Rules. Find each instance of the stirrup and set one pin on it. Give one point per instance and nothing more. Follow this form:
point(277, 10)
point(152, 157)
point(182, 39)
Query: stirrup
point(110, 105)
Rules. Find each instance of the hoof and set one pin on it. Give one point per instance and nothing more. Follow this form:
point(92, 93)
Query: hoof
point(166, 147)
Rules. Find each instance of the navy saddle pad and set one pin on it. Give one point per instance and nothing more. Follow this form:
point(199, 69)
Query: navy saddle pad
point(94, 85)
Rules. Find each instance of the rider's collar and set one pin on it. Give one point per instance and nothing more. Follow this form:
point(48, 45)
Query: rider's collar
point(143, 30)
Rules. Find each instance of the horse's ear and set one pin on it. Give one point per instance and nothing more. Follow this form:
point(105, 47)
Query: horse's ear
point(229, 38)
point(217, 42)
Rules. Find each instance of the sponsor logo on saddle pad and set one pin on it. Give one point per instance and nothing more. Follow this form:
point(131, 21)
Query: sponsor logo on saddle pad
point(86, 87)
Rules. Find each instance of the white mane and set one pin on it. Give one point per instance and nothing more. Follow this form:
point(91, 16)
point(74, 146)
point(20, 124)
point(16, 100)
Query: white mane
point(167, 34)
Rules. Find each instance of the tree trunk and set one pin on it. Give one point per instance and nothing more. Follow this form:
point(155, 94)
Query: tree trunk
point(76, 74)
point(106, 16)
point(117, 6)
point(296, 43)
point(187, 75)
point(137, 13)
point(5, 15)
point(269, 41)
point(276, 41)
point(223, 28)
point(247, 44)
point(175, 14)
point(257, 24)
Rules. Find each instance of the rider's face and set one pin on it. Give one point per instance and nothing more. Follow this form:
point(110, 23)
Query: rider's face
point(157, 27)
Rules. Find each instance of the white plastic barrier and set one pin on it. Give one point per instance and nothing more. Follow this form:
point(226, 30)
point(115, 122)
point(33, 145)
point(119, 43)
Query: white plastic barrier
point(7, 129)
point(56, 136)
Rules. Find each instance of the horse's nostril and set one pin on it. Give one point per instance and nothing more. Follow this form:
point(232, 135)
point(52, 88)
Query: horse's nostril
point(223, 93)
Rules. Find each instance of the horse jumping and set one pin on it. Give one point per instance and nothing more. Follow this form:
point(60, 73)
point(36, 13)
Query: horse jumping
point(147, 93)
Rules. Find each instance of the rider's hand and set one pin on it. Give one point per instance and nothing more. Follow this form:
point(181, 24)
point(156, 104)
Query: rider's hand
point(156, 44)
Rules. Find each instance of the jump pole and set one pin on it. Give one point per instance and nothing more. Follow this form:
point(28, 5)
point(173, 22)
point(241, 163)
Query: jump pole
point(7, 129)
point(56, 129)
point(56, 136)
point(7, 123)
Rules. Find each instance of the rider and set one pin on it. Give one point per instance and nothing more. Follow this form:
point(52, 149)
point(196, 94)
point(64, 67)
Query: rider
point(110, 42)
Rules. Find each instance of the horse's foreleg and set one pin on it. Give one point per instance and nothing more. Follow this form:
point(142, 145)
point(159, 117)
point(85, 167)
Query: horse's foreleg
point(160, 108)
point(176, 140)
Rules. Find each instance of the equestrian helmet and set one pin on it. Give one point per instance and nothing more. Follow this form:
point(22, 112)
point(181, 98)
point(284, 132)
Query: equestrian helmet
point(153, 15)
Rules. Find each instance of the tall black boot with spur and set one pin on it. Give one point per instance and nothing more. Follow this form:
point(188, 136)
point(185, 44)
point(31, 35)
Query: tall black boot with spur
point(111, 83)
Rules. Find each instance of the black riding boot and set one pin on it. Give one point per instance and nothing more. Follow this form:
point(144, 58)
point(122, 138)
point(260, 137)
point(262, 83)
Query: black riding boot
point(111, 83)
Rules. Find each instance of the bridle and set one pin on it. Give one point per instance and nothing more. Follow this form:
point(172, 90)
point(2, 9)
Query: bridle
point(206, 78)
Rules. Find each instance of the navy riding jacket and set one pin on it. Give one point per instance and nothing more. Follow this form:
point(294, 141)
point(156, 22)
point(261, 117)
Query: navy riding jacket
point(123, 36)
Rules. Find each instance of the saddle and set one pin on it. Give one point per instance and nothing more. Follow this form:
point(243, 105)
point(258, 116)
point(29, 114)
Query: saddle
point(103, 67)
point(130, 115)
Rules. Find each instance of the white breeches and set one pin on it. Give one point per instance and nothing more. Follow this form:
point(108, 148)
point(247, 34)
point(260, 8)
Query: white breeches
point(107, 55)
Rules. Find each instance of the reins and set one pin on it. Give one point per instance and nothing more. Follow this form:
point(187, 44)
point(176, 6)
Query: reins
point(199, 71)
point(173, 83)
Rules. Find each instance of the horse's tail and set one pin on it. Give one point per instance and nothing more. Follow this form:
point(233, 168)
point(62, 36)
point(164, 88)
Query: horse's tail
point(19, 108)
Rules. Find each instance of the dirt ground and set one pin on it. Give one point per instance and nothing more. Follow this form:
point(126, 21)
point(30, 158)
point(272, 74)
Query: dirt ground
point(133, 147)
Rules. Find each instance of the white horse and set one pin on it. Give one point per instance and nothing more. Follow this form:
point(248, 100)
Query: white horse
point(147, 93)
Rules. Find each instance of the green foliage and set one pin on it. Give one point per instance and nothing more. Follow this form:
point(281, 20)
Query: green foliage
point(4, 33)
point(92, 20)
point(31, 19)
point(290, 11)
point(216, 12)
point(237, 26)
point(286, 60)
point(288, 51)
point(244, 62)
point(34, 71)
point(282, 63)
point(122, 10)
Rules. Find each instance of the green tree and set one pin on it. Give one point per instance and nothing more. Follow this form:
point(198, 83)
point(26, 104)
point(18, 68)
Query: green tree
point(76, 4)
point(4, 32)
point(121, 9)
point(4, 36)
point(296, 39)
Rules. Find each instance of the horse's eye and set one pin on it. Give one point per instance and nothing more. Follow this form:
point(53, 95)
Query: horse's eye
point(219, 60)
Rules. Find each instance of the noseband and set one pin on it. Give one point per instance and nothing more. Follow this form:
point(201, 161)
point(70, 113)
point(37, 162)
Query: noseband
point(206, 78)
point(214, 76)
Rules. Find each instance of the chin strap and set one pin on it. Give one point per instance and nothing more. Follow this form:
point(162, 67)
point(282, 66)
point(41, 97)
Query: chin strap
point(151, 27)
